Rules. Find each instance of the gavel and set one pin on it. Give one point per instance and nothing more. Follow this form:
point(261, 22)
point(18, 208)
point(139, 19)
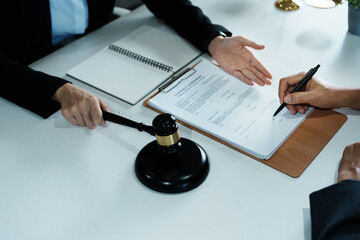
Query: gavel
point(169, 164)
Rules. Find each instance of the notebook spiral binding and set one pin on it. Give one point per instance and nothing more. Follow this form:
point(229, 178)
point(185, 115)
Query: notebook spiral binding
point(141, 58)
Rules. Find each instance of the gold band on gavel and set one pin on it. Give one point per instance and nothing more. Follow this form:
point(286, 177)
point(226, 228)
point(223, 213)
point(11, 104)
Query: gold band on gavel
point(168, 140)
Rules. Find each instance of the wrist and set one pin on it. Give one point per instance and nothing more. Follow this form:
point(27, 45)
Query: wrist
point(348, 176)
point(62, 92)
point(348, 98)
point(214, 43)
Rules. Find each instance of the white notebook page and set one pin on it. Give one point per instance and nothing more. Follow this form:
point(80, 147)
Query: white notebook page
point(131, 80)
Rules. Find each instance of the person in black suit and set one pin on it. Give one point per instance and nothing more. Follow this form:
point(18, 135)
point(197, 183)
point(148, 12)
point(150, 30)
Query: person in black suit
point(27, 36)
point(335, 210)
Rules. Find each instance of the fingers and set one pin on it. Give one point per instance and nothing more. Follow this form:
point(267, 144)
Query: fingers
point(261, 73)
point(254, 70)
point(284, 89)
point(252, 77)
point(234, 56)
point(298, 98)
point(96, 114)
point(80, 115)
point(252, 74)
point(103, 106)
point(261, 69)
point(80, 119)
point(297, 108)
point(301, 109)
point(296, 102)
point(252, 44)
point(260, 79)
point(292, 109)
point(287, 84)
point(243, 78)
point(80, 107)
point(71, 118)
point(91, 112)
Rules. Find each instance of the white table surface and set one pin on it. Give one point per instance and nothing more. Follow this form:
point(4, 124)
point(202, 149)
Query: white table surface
point(58, 181)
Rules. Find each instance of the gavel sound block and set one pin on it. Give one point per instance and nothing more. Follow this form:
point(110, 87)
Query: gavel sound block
point(169, 164)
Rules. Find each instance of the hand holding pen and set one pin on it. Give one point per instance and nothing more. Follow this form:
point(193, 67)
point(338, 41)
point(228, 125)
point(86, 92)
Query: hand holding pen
point(290, 95)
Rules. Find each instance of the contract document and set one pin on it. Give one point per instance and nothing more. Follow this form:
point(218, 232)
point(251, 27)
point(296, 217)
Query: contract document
point(213, 101)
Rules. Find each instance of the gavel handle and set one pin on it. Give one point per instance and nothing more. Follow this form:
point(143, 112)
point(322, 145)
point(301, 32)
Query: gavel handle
point(111, 117)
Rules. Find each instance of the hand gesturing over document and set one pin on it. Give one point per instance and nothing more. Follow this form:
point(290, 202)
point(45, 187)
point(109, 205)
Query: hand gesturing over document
point(232, 54)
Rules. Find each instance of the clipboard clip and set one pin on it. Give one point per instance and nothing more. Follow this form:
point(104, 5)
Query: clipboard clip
point(164, 87)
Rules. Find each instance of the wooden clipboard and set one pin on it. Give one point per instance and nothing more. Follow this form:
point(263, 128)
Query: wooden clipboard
point(299, 150)
point(303, 145)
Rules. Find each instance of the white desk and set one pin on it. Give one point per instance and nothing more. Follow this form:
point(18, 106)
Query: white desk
point(58, 181)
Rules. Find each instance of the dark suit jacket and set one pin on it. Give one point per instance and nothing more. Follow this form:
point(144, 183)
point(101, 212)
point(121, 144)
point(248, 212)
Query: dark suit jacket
point(188, 20)
point(335, 212)
point(26, 37)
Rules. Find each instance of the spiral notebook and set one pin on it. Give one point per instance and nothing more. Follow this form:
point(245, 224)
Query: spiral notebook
point(135, 65)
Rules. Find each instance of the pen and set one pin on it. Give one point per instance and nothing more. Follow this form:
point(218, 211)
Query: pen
point(302, 83)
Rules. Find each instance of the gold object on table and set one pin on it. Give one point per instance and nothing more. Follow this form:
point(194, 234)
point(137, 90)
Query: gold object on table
point(323, 3)
point(287, 5)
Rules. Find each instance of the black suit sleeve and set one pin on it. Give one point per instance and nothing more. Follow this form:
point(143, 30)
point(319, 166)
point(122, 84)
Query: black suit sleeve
point(188, 20)
point(28, 88)
point(335, 212)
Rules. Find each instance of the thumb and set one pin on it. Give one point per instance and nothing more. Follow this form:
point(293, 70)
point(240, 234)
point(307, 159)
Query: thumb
point(297, 98)
point(103, 106)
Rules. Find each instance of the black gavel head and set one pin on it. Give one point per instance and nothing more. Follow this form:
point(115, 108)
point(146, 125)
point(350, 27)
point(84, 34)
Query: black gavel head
point(171, 164)
point(166, 132)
